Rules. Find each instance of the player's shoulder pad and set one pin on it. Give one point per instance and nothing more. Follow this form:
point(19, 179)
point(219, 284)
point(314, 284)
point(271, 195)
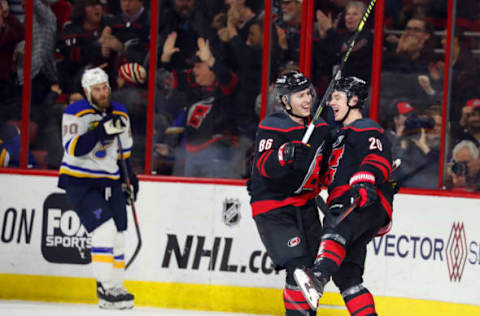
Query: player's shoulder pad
point(321, 122)
point(119, 109)
point(278, 121)
point(365, 125)
point(79, 108)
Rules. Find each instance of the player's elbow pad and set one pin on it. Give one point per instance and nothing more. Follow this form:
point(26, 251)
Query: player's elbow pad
point(84, 144)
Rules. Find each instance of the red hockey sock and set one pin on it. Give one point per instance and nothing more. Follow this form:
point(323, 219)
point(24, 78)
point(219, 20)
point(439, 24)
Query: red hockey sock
point(361, 303)
point(330, 255)
point(295, 303)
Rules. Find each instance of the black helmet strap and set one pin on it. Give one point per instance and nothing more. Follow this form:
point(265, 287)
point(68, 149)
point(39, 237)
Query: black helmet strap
point(356, 106)
point(289, 111)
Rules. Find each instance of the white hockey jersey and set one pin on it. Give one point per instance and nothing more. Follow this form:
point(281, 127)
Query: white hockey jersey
point(100, 162)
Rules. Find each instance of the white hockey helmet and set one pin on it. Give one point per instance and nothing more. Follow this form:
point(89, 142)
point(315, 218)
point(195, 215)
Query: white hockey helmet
point(92, 77)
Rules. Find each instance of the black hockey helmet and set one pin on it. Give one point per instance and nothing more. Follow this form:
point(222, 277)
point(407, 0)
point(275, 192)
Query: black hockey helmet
point(353, 86)
point(289, 83)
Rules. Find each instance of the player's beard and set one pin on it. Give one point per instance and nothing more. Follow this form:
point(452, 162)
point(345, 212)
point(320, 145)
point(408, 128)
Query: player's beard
point(102, 102)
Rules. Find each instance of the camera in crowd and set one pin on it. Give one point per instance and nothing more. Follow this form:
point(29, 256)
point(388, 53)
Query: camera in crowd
point(459, 168)
point(416, 121)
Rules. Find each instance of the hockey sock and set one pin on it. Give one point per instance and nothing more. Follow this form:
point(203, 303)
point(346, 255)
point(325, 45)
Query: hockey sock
point(330, 254)
point(359, 301)
point(295, 303)
point(119, 259)
point(102, 253)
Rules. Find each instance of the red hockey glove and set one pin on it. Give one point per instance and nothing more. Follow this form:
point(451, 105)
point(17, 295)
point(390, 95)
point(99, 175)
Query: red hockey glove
point(362, 188)
point(295, 153)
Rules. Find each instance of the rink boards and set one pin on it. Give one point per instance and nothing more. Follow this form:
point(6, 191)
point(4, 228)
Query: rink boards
point(201, 251)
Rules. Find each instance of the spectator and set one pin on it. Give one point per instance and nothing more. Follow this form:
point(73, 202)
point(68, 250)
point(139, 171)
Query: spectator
point(63, 11)
point(432, 82)
point(336, 42)
point(82, 44)
point(419, 150)
point(334, 10)
point(189, 23)
point(208, 85)
point(44, 70)
point(463, 170)
point(130, 32)
point(402, 111)
point(247, 58)
point(11, 33)
point(241, 16)
point(412, 9)
point(53, 126)
point(468, 127)
point(247, 55)
point(411, 47)
point(465, 74)
point(43, 73)
point(289, 28)
point(402, 66)
point(10, 147)
point(16, 8)
point(132, 93)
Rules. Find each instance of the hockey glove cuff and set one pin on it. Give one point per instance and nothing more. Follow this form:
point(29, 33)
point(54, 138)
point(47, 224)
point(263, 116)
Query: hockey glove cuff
point(362, 189)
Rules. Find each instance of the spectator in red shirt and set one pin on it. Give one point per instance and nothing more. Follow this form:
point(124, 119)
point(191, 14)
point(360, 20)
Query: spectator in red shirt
point(11, 33)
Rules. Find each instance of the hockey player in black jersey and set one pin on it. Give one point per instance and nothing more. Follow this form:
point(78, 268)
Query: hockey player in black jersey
point(285, 182)
point(358, 171)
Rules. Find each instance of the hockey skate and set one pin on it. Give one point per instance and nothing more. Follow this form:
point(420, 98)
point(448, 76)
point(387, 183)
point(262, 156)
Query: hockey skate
point(311, 284)
point(114, 298)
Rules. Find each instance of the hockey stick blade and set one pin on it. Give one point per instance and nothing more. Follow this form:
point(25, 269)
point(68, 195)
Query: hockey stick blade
point(346, 212)
point(123, 165)
point(307, 288)
point(139, 237)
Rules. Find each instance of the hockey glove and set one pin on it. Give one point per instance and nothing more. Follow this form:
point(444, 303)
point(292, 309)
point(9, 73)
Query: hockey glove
point(362, 189)
point(110, 126)
point(131, 191)
point(296, 154)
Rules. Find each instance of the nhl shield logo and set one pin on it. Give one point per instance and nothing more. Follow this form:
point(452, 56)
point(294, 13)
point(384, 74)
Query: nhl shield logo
point(231, 211)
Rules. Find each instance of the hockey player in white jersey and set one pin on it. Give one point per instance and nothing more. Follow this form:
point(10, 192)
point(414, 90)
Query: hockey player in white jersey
point(91, 175)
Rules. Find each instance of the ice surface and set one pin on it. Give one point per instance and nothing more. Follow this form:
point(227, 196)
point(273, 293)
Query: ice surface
point(28, 308)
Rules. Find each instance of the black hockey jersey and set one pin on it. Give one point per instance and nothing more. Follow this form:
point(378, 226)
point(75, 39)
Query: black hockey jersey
point(207, 113)
point(273, 185)
point(360, 149)
point(133, 34)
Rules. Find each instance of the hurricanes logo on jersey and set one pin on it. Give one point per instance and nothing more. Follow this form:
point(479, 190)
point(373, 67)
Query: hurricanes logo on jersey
point(198, 112)
point(295, 241)
point(333, 164)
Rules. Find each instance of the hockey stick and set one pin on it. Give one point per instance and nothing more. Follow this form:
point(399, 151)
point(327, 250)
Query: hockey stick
point(123, 165)
point(338, 73)
point(356, 202)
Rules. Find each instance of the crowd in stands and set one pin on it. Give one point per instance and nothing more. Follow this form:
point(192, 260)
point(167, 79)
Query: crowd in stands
point(209, 70)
